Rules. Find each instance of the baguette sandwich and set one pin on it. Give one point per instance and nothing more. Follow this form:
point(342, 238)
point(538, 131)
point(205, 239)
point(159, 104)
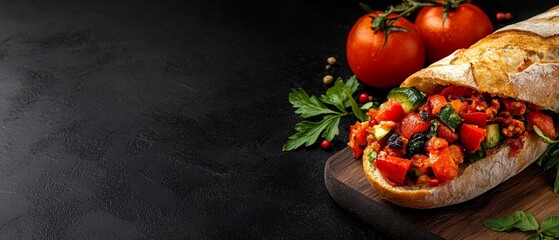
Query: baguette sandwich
point(466, 123)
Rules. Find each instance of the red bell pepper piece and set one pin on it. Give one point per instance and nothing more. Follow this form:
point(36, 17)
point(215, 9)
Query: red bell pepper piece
point(476, 118)
point(543, 122)
point(393, 168)
point(472, 136)
point(412, 124)
point(455, 92)
point(358, 138)
point(390, 110)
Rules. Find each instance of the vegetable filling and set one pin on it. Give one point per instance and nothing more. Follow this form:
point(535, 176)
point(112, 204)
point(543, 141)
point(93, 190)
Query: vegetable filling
point(420, 139)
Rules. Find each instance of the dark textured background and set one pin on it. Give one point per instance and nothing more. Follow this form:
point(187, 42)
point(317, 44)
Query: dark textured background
point(145, 120)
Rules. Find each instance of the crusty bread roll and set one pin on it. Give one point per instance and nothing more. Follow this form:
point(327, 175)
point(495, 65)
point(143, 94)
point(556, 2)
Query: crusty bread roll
point(519, 61)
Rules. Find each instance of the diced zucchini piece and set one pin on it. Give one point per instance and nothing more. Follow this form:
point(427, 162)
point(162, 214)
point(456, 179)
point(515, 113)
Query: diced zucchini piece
point(477, 155)
point(409, 97)
point(379, 132)
point(493, 136)
point(449, 116)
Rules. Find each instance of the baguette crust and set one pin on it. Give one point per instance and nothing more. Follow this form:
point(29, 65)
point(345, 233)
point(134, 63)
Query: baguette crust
point(520, 61)
point(475, 179)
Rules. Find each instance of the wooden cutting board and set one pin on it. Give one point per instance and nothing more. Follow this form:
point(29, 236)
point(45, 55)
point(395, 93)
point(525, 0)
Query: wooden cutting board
point(530, 191)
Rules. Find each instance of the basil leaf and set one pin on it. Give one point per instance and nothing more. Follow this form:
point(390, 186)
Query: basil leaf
point(519, 220)
point(550, 226)
point(527, 222)
point(501, 224)
point(535, 237)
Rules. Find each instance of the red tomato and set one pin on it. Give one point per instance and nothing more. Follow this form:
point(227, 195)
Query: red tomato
point(393, 168)
point(462, 27)
point(472, 136)
point(412, 124)
point(390, 110)
point(384, 66)
point(475, 118)
point(543, 122)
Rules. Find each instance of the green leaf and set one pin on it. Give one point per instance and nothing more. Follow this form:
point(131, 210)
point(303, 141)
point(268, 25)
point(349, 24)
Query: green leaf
point(366, 106)
point(335, 95)
point(556, 184)
point(544, 237)
point(527, 222)
point(550, 226)
point(307, 106)
point(331, 129)
point(355, 108)
point(535, 237)
point(543, 137)
point(519, 220)
point(308, 132)
point(552, 161)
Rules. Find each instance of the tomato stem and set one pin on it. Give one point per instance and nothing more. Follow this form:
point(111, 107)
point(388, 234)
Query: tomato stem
point(382, 21)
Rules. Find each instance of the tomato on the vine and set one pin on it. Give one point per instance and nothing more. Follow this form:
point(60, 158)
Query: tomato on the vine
point(463, 26)
point(383, 64)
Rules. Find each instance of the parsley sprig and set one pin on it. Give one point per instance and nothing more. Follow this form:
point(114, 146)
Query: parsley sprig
point(526, 222)
point(550, 158)
point(338, 102)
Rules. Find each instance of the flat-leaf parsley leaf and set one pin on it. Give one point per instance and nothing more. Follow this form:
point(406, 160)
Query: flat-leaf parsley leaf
point(331, 107)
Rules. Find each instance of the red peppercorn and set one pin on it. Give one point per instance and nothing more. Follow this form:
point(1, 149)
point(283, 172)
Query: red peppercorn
point(508, 16)
point(500, 16)
point(363, 98)
point(325, 144)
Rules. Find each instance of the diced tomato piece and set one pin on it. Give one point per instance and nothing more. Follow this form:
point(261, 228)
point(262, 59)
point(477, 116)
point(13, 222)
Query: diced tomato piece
point(443, 165)
point(412, 124)
point(390, 110)
point(472, 136)
point(543, 121)
point(358, 138)
point(446, 133)
point(476, 118)
point(393, 168)
point(455, 92)
point(436, 102)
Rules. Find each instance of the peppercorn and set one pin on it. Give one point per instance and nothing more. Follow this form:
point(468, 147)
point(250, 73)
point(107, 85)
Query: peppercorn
point(328, 79)
point(331, 60)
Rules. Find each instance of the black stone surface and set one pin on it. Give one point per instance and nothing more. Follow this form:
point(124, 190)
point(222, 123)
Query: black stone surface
point(165, 120)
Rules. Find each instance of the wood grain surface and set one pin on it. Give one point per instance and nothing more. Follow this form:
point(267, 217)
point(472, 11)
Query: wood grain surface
point(530, 191)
